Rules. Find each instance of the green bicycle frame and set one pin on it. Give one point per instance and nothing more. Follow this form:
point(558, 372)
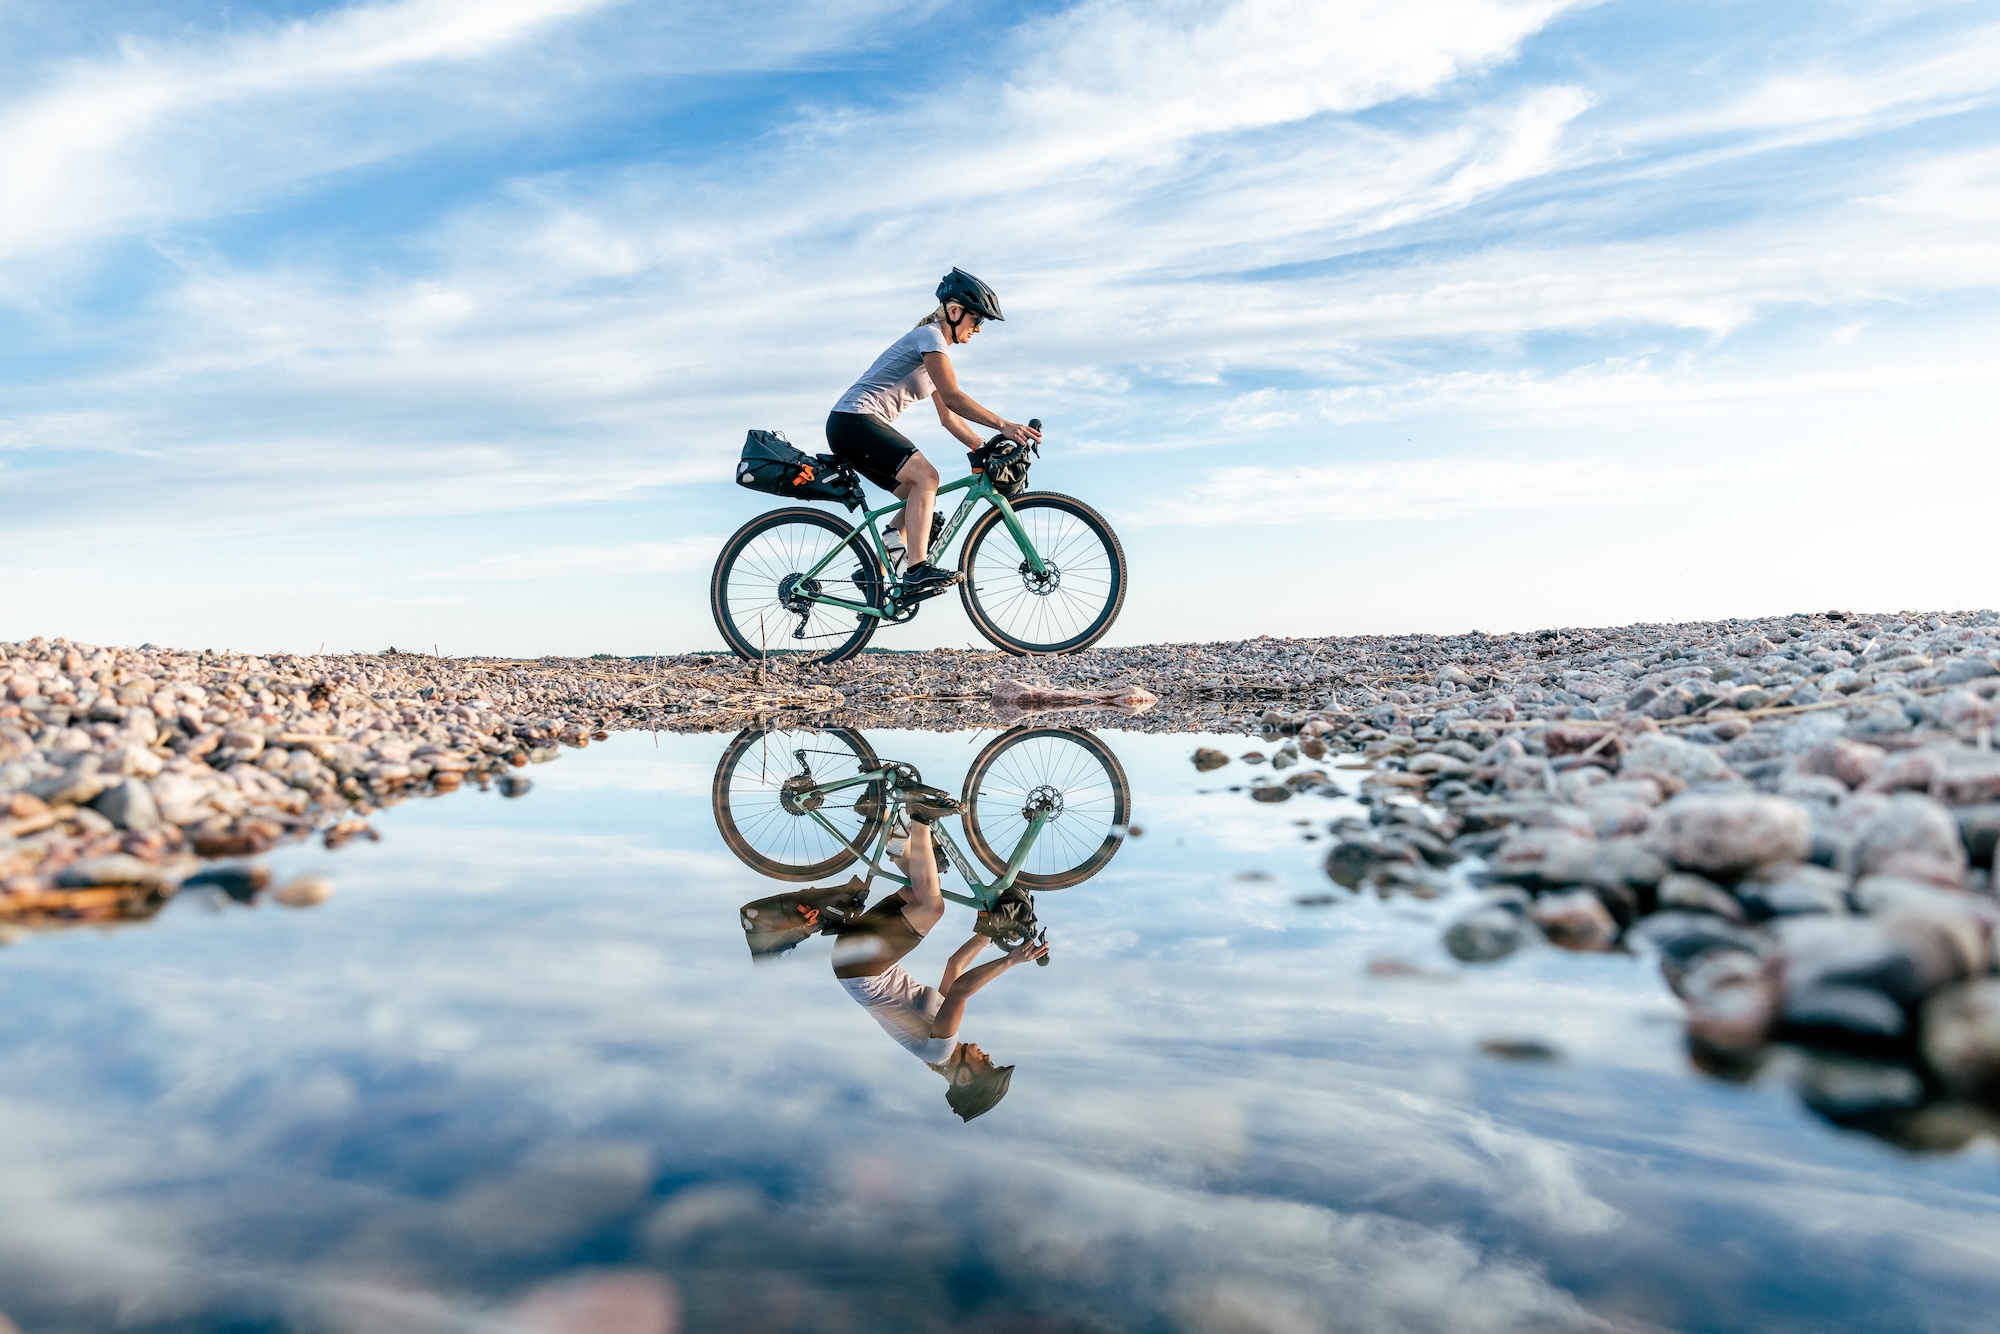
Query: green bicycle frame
point(984, 895)
point(977, 488)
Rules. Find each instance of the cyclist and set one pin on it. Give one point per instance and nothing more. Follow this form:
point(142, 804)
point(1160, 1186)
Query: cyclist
point(918, 366)
point(867, 958)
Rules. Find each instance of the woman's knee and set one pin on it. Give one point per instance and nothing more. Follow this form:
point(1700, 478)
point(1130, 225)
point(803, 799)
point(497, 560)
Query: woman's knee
point(918, 472)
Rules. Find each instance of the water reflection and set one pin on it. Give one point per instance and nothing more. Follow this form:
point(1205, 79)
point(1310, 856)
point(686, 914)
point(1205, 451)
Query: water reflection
point(1040, 807)
point(519, 1070)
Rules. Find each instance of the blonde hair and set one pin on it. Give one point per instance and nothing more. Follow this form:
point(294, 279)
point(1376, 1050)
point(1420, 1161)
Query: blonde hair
point(935, 317)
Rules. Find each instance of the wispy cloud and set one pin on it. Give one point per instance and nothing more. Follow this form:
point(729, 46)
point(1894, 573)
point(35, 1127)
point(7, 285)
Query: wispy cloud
point(1412, 489)
point(546, 265)
point(558, 562)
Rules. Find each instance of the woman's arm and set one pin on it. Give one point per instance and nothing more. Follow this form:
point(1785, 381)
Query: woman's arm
point(952, 1012)
point(958, 426)
point(944, 386)
point(959, 960)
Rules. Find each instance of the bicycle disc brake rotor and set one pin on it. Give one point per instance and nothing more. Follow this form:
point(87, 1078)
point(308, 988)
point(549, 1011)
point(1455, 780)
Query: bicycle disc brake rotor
point(1043, 798)
point(1043, 584)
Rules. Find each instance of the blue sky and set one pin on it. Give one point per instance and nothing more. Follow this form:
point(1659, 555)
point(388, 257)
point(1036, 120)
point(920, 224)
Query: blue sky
point(440, 322)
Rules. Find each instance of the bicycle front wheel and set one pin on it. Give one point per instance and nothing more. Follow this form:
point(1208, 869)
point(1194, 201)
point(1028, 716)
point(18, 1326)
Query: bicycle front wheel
point(770, 786)
point(1065, 609)
point(762, 601)
point(1063, 771)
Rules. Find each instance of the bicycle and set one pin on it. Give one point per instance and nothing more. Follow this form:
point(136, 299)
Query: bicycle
point(804, 805)
point(1053, 584)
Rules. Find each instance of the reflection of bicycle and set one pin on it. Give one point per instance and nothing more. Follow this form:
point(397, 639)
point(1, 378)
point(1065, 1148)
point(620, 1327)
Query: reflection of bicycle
point(1043, 808)
point(1043, 573)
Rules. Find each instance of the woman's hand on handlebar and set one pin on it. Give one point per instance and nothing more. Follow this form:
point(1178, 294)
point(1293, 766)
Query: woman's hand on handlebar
point(1020, 434)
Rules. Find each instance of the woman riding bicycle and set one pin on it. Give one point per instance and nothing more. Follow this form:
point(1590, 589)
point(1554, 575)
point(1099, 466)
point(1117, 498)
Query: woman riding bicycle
point(918, 366)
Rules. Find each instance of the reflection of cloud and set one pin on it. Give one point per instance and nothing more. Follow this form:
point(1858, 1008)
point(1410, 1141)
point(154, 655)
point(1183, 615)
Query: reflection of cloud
point(1220, 1125)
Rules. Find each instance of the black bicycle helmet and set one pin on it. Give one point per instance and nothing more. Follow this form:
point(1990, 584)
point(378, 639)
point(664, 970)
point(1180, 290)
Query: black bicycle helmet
point(968, 291)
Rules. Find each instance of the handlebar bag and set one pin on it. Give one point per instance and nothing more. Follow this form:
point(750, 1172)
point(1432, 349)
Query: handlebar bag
point(1005, 463)
point(773, 465)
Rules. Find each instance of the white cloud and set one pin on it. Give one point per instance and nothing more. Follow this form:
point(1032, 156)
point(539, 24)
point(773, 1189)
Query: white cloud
point(1413, 489)
point(555, 562)
point(74, 156)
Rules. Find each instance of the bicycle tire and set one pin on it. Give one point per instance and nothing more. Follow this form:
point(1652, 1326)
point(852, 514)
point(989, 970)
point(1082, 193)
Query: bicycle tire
point(1002, 590)
point(748, 572)
point(762, 807)
point(1091, 782)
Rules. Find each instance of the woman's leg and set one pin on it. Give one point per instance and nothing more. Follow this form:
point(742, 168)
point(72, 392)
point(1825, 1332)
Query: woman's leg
point(923, 897)
point(916, 487)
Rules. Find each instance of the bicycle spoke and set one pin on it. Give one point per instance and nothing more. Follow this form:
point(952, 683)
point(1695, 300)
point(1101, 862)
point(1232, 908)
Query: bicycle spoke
point(1044, 611)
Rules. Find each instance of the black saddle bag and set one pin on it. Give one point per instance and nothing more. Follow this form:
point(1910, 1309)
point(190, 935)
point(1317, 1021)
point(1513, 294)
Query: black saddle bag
point(775, 466)
point(776, 924)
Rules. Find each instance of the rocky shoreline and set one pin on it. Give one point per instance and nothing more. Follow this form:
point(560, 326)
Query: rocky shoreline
point(123, 770)
point(1797, 817)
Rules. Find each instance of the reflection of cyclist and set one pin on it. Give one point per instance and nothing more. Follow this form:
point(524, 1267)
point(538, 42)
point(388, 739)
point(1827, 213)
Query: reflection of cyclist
point(924, 1020)
point(914, 367)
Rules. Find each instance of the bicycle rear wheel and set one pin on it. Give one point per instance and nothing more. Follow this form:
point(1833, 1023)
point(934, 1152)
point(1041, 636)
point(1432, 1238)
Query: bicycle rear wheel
point(1064, 770)
point(1068, 608)
point(759, 594)
point(766, 787)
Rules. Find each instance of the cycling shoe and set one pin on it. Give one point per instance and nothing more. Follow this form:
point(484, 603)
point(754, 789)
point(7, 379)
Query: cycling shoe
point(926, 581)
point(925, 803)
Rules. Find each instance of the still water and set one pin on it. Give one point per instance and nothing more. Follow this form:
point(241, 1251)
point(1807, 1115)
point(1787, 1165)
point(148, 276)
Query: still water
point(522, 1073)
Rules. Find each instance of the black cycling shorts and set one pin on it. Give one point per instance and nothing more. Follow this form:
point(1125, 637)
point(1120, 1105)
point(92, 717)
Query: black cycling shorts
point(869, 445)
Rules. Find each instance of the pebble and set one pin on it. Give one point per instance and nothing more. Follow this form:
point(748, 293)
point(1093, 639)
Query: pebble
point(1961, 1036)
point(1575, 920)
point(1732, 834)
point(1491, 931)
point(1911, 836)
point(1731, 1003)
point(305, 891)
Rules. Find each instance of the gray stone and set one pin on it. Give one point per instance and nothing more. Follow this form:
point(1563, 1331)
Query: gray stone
point(1882, 716)
point(1960, 670)
point(517, 785)
point(1832, 1012)
point(1841, 1087)
point(1683, 938)
point(1911, 836)
point(1849, 762)
point(1682, 892)
point(1678, 759)
point(117, 869)
point(1349, 862)
point(1575, 920)
point(1948, 928)
point(1792, 889)
point(128, 804)
point(1961, 1036)
point(1487, 933)
point(1731, 1003)
point(1731, 834)
point(1817, 951)
point(1979, 830)
point(1554, 858)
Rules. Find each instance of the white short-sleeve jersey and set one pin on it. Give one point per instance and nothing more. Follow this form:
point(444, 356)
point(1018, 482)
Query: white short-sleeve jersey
point(898, 377)
point(904, 1007)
